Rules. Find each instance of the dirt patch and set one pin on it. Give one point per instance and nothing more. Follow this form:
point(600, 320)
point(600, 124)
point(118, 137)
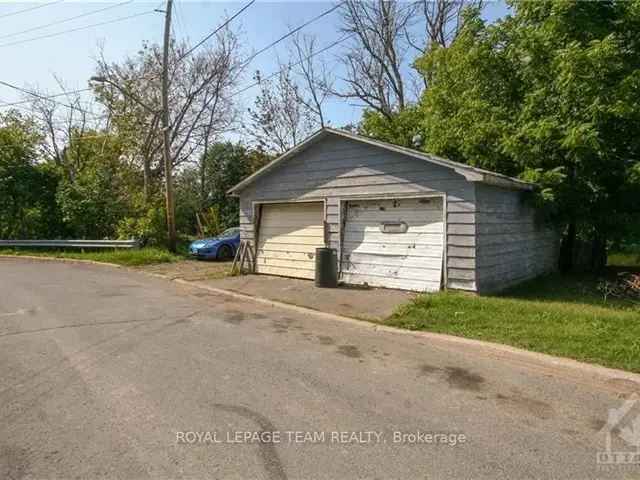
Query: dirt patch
point(282, 325)
point(463, 379)
point(235, 318)
point(325, 340)
point(527, 406)
point(349, 351)
point(427, 369)
point(191, 270)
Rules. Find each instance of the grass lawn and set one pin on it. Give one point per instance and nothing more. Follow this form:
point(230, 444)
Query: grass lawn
point(560, 315)
point(624, 259)
point(128, 257)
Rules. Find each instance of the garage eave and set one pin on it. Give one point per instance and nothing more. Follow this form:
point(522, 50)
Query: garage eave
point(470, 173)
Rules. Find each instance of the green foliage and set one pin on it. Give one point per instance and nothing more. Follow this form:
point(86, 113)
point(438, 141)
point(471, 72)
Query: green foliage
point(399, 130)
point(226, 164)
point(559, 315)
point(188, 199)
point(97, 192)
point(202, 190)
point(130, 257)
point(211, 222)
point(27, 186)
point(550, 94)
point(149, 226)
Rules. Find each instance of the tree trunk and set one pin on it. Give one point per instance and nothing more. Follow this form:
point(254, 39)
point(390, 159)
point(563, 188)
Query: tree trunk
point(146, 178)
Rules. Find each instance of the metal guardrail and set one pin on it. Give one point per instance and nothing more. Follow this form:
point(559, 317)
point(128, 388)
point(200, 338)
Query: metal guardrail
point(72, 243)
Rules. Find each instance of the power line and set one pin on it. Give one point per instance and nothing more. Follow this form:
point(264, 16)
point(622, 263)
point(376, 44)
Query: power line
point(229, 20)
point(244, 89)
point(47, 97)
point(262, 50)
point(65, 20)
point(182, 57)
point(299, 62)
point(30, 9)
point(295, 30)
point(43, 97)
point(64, 32)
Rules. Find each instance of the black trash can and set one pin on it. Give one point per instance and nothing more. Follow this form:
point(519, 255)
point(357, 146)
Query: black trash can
point(326, 268)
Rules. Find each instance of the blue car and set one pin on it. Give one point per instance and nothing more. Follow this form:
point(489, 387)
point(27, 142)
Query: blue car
point(222, 247)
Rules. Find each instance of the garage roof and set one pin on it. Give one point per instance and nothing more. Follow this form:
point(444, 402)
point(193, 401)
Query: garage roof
point(472, 174)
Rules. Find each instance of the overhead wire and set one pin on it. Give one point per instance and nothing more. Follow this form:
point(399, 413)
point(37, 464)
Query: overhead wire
point(295, 64)
point(85, 27)
point(36, 7)
point(202, 41)
point(44, 97)
point(207, 37)
point(65, 20)
point(217, 29)
point(295, 30)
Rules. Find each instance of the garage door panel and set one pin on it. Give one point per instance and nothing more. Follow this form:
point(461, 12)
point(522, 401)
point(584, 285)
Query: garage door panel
point(289, 219)
point(391, 271)
point(386, 282)
point(413, 227)
point(410, 260)
point(374, 216)
point(292, 240)
point(311, 231)
point(287, 238)
point(286, 272)
point(393, 260)
point(289, 255)
point(287, 247)
point(287, 263)
point(400, 205)
point(393, 238)
point(397, 248)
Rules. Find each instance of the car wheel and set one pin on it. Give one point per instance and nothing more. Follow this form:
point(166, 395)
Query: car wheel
point(224, 253)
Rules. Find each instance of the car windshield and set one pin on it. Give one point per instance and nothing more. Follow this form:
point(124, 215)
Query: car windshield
point(229, 232)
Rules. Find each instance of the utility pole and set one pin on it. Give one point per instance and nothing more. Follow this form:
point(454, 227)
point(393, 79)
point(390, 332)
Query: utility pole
point(166, 133)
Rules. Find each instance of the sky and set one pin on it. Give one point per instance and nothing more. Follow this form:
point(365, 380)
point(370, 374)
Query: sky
point(29, 61)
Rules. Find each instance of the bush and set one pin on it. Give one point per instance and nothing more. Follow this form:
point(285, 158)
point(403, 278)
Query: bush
point(150, 228)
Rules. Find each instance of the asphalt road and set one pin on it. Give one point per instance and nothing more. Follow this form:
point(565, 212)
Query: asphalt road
point(109, 373)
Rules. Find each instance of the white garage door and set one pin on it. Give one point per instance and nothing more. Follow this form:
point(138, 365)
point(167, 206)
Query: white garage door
point(288, 236)
point(394, 243)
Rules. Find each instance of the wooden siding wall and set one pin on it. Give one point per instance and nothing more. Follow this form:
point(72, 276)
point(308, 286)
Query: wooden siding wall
point(339, 168)
point(511, 245)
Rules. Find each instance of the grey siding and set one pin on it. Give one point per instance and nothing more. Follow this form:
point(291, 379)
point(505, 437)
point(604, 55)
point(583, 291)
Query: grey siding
point(337, 169)
point(511, 245)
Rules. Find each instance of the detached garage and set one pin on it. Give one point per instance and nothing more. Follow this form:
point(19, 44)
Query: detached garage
point(398, 218)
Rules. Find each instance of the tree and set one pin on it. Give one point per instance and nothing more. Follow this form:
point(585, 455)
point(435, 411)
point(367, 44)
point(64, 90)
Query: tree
point(440, 22)
point(551, 95)
point(198, 98)
point(317, 80)
point(375, 58)
point(61, 118)
point(279, 120)
point(27, 185)
point(101, 192)
point(229, 164)
point(388, 34)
